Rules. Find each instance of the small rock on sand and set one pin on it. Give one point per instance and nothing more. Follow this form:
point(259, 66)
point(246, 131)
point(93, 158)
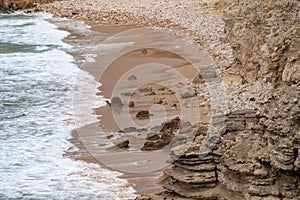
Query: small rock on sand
point(144, 114)
point(132, 78)
point(116, 101)
point(188, 94)
point(130, 129)
point(123, 145)
point(131, 104)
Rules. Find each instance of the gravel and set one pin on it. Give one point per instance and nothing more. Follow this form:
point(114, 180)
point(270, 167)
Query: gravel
point(199, 19)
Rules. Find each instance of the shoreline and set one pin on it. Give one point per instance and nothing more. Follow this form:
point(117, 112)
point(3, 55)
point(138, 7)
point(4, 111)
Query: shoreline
point(205, 26)
point(43, 116)
point(209, 35)
point(144, 184)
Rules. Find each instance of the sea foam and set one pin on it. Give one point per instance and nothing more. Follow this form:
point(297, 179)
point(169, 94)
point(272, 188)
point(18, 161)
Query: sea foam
point(36, 116)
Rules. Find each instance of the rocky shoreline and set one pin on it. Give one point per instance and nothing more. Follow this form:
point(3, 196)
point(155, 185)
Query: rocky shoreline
point(256, 48)
point(10, 6)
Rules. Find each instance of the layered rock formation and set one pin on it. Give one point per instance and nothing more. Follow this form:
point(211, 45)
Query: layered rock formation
point(257, 157)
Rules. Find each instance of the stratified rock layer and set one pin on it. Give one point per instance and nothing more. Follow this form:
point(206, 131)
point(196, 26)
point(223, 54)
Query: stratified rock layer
point(257, 157)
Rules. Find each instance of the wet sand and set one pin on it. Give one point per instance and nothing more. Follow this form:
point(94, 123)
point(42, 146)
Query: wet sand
point(129, 74)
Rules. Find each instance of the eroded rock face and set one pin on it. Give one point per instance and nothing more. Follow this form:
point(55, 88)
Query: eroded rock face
point(258, 166)
point(264, 36)
point(280, 116)
point(257, 157)
point(248, 164)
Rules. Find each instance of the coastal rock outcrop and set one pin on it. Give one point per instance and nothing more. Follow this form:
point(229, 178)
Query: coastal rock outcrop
point(257, 157)
point(166, 133)
point(11, 5)
point(264, 36)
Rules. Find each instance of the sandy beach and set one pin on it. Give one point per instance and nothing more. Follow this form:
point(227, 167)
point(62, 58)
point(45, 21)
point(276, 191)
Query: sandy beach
point(142, 168)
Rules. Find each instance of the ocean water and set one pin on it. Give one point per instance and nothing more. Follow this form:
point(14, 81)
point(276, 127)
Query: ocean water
point(37, 79)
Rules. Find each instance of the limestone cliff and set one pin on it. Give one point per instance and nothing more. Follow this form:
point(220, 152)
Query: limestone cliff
point(264, 36)
point(257, 156)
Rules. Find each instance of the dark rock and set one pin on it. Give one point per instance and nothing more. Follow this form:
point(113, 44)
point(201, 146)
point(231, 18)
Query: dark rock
point(116, 102)
point(123, 145)
point(131, 104)
point(158, 101)
point(142, 130)
point(167, 136)
point(130, 129)
point(108, 102)
point(144, 114)
point(171, 125)
point(154, 145)
point(10, 5)
point(109, 136)
point(132, 78)
point(152, 136)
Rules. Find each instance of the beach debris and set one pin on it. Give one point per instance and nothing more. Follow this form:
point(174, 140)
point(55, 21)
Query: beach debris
point(144, 114)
